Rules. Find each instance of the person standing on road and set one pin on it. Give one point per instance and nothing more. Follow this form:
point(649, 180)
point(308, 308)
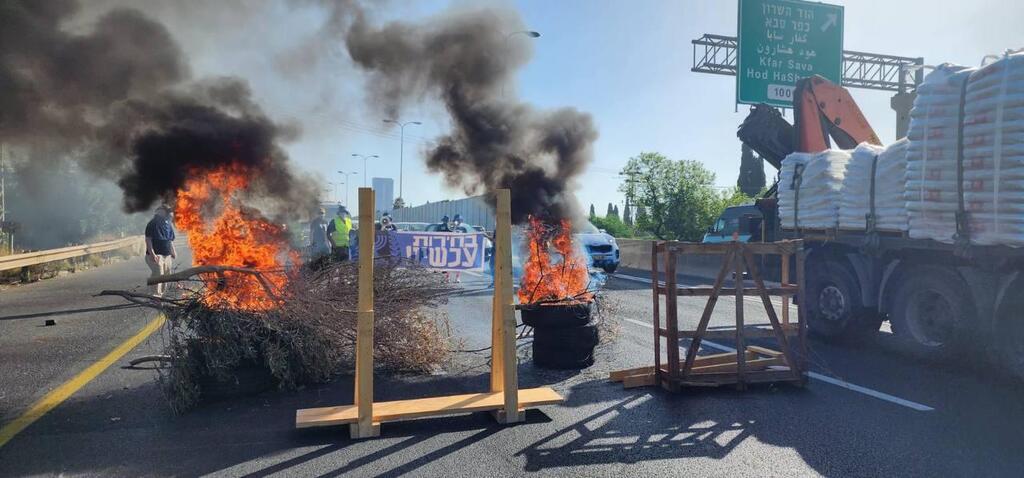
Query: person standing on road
point(319, 241)
point(160, 253)
point(338, 230)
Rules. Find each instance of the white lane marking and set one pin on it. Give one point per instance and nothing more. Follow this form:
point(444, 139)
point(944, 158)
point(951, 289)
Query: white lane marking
point(817, 376)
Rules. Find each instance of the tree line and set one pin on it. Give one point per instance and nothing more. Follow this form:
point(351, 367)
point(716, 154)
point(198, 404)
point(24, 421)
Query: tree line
point(673, 199)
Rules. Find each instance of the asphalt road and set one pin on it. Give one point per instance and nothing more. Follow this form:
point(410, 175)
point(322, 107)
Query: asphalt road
point(117, 424)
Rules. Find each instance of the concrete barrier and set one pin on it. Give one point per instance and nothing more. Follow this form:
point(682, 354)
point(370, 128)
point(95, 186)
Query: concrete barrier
point(636, 254)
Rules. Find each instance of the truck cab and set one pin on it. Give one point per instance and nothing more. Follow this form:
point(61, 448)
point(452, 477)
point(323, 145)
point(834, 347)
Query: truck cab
point(744, 222)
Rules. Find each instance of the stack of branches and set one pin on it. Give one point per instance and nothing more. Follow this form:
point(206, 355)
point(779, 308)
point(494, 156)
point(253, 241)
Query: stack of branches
point(308, 337)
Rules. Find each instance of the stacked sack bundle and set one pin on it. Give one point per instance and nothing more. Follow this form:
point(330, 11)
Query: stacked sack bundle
point(931, 173)
point(813, 201)
point(993, 159)
point(890, 203)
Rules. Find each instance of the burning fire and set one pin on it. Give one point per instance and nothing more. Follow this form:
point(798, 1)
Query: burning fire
point(547, 281)
point(235, 236)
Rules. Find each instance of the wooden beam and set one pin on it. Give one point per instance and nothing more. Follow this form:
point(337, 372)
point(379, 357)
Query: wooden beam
point(741, 340)
point(656, 306)
point(424, 407)
point(365, 426)
point(671, 318)
point(785, 282)
point(776, 326)
point(504, 363)
point(734, 366)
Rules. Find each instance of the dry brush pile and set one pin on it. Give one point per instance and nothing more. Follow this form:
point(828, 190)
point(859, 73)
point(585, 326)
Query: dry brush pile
point(308, 336)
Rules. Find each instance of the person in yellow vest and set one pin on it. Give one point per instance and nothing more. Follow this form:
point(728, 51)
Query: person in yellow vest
point(338, 230)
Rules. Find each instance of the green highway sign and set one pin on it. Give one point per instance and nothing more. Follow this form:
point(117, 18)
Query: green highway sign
point(781, 41)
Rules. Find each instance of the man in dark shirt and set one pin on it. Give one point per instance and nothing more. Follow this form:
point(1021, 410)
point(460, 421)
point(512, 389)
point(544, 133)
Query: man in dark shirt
point(160, 253)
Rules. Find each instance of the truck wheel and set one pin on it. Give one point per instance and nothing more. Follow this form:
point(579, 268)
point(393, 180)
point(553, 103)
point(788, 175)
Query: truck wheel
point(610, 268)
point(833, 303)
point(929, 310)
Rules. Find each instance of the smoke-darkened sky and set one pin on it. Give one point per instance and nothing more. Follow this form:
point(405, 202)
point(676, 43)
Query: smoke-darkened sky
point(625, 63)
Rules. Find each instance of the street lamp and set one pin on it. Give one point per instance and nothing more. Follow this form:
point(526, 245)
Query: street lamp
point(344, 181)
point(508, 46)
point(365, 157)
point(401, 150)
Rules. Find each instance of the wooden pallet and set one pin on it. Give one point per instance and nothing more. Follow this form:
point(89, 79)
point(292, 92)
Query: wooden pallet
point(752, 365)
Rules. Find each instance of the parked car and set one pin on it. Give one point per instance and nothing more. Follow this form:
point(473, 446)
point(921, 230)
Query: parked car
point(601, 246)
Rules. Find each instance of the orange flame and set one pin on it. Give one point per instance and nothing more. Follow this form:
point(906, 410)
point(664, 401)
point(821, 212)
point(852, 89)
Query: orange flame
point(235, 236)
point(545, 281)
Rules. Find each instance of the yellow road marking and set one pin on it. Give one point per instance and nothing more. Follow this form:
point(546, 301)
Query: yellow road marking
point(61, 393)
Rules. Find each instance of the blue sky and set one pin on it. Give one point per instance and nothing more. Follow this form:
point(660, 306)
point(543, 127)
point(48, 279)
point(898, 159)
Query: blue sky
point(625, 62)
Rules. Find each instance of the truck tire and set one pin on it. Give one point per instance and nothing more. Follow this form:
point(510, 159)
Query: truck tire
point(833, 304)
point(610, 268)
point(930, 308)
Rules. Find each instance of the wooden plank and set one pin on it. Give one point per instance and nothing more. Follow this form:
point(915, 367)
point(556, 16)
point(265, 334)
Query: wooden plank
point(750, 331)
point(656, 307)
point(425, 407)
point(800, 314)
point(758, 248)
point(671, 315)
point(642, 380)
point(728, 378)
point(763, 351)
point(504, 363)
point(741, 342)
point(734, 367)
point(785, 283)
point(701, 361)
point(707, 291)
point(364, 426)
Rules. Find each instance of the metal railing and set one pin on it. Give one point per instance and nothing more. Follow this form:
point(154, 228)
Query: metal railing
point(18, 261)
point(716, 54)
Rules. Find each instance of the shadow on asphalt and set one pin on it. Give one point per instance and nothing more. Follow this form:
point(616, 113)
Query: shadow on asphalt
point(648, 424)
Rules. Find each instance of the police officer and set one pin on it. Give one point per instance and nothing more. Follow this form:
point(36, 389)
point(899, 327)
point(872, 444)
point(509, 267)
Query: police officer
point(339, 230)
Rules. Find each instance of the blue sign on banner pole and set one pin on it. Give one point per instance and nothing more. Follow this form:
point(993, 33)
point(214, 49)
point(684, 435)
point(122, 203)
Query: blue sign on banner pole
point(446, 251)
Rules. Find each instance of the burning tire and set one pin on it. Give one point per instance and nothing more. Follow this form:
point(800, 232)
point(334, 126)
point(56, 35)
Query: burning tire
point(569, 348)
point(557, 316)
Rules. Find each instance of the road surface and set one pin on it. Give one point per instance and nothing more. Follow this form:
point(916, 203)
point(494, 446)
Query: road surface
point(868, 412)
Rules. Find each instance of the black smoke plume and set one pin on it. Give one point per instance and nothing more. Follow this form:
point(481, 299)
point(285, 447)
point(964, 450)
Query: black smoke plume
point(121, 97)
point(466, 59)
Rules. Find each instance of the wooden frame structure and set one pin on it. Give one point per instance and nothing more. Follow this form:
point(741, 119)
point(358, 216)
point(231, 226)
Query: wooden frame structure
point(754, 364)
point(504, 399)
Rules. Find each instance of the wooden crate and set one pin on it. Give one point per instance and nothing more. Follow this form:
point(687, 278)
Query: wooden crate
point(753, 364)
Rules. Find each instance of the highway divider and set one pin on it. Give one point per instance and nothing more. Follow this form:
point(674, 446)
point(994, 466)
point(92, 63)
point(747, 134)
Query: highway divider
point(636, 254)
point(27, 259)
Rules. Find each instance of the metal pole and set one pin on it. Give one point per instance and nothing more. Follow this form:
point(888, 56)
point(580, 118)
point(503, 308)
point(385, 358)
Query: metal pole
point(401, 159)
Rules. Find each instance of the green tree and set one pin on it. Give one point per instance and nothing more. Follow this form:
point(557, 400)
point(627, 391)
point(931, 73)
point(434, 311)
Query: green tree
point(751, 179)
point(399, 203)
point(678, 198)
point(610, 212)
point(612, 225)
point(627, 217)
point(592, 213)
point(616, 211)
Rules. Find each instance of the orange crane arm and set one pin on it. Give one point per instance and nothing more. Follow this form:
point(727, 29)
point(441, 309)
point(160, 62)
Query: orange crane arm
point(822, 109)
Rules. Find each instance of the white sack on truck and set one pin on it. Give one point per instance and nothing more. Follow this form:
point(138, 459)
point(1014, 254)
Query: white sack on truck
point(890, 205)
point(993, 159)
point(931, 174)
point(809, 189)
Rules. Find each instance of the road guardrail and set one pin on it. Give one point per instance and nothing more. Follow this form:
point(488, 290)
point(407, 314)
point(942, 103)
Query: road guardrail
point(26, 259)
